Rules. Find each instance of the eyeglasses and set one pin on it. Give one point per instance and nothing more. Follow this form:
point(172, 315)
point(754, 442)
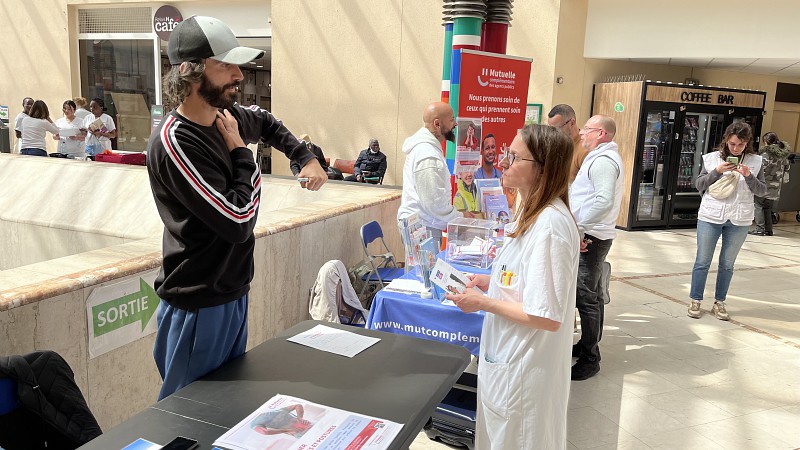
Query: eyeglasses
point(589, 129)
point(510, 158)
point(564, 124)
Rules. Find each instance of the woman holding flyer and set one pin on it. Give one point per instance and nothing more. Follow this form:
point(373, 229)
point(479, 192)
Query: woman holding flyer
point(524, 372)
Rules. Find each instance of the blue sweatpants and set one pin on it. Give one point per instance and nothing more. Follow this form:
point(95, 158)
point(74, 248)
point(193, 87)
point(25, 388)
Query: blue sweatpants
point(190, 344)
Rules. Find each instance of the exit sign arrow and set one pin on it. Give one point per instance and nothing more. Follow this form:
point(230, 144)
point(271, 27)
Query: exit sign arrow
point(128, 309)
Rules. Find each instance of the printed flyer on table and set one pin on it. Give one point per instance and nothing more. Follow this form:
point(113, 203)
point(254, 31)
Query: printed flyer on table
point(286, 422)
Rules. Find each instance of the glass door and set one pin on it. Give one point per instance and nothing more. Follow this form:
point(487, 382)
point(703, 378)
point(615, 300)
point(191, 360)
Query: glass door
point(654, 155)
point(701, 134)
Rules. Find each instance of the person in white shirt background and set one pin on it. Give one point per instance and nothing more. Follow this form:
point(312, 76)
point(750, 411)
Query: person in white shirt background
point(595, 197)
point(71, 135)
point(34, 129)
point(426, 177)
point(729, 217)
point(27, 102)
point(104, 133)
point(524, 372)
point(80, 108)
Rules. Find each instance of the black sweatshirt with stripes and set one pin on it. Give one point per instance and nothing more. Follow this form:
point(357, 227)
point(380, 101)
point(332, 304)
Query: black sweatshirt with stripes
point(208, 199)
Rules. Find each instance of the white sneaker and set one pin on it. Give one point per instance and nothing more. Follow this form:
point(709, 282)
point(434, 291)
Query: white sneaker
point(719, 311)
point(694, 309)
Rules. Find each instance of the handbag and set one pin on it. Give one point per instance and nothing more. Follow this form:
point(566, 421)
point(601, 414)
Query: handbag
point(725, 186)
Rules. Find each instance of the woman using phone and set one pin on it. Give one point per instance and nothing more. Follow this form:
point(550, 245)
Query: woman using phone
point(524, 372)
point(728, 217)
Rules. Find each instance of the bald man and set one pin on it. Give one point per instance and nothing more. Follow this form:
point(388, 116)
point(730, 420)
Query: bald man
point(594, 197)
point(426, 178)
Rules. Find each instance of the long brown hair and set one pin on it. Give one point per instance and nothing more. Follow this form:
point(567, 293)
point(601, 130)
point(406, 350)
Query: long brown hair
point(39, 110)
point(552, 154)
point(742, 131)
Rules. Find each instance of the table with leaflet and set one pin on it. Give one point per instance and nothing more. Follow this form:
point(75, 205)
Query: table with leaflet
point(398, 379)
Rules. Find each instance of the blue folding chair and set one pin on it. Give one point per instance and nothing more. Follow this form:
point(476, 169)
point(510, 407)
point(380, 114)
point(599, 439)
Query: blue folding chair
point(382, 268)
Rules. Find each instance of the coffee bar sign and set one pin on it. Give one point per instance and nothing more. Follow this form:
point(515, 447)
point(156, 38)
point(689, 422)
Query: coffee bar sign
point(165, 20)
point(680, 94)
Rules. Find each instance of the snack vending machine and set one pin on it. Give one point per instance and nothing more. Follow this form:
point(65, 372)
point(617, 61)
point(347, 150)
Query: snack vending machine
point(663, 131)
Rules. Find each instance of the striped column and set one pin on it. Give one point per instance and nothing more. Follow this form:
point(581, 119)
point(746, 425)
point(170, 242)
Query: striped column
point(448, 55)
point(495, 30)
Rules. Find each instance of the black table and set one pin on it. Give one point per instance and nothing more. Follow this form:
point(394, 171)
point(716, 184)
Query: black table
point(400, 379)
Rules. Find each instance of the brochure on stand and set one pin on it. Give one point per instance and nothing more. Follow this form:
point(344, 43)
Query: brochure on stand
point(286, 422)
point(412, 232)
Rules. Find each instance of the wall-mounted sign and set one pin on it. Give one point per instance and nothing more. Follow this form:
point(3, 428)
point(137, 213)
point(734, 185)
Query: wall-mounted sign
point(156, 116)
point(165, 20)
point(120, 313)
point(619, 107)
point(3, 113)
point(680, 94)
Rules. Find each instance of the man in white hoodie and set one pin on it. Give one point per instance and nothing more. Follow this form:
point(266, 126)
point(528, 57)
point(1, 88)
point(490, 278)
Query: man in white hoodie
point(594, 198)
point(426, 178)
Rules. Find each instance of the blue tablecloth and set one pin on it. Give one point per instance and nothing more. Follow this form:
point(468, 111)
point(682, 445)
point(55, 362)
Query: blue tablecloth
point(412, 315)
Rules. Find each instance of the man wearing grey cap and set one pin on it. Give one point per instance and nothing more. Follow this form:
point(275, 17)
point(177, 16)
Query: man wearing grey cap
point(207, 189)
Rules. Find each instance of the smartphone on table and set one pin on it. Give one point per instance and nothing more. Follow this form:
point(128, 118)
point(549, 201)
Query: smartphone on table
point(181, 443)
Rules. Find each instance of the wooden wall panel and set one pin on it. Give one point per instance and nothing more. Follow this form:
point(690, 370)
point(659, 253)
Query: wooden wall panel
point(629, 95)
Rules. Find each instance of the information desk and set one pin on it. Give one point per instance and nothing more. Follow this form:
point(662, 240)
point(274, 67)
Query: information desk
point(398, 379)
point(425, 318)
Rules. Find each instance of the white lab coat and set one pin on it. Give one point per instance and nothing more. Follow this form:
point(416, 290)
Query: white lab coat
point(524, 373)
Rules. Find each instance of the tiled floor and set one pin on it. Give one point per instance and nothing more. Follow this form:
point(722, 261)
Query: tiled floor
point(671, 382)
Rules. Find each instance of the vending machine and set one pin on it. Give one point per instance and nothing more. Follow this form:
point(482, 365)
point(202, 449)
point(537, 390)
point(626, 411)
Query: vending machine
point(663, 131)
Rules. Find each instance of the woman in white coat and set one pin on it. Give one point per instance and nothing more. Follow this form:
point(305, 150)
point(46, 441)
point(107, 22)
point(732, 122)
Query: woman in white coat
point(524, 368)
point(728, 217)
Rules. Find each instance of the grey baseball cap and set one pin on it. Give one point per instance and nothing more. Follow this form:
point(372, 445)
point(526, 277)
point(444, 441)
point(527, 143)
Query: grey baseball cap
point(200, 37)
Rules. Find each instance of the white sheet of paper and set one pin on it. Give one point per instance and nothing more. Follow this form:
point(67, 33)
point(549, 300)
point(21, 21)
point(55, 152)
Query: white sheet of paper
point(334, 340)
point(405, 286)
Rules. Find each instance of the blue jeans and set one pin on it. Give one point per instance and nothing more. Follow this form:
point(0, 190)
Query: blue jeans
point(32, 152)
point(708, 234)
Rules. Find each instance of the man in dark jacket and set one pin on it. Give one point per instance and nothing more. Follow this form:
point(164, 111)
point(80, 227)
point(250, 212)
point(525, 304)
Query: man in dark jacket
point(371, 163)
point(207, 189)
point(775, 165)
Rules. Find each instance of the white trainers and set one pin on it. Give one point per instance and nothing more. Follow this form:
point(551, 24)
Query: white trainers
point(719, 311)
point(694, 309)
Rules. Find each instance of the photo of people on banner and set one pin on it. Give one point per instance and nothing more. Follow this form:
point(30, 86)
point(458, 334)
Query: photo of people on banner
point(490, 109)
point(468, 138)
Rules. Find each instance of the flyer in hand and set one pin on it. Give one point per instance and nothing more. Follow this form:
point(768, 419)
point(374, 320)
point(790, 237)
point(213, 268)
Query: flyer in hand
point(291, 423)
point(447, 277)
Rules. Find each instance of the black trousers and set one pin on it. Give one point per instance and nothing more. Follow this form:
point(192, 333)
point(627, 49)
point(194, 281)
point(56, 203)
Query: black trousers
point(589, 301)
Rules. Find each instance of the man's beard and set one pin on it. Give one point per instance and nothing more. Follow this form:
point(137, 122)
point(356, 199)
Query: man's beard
point(216, 96)
point(450, 135)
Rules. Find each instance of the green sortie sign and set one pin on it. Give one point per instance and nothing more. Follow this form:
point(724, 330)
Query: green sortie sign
point(119, 312)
